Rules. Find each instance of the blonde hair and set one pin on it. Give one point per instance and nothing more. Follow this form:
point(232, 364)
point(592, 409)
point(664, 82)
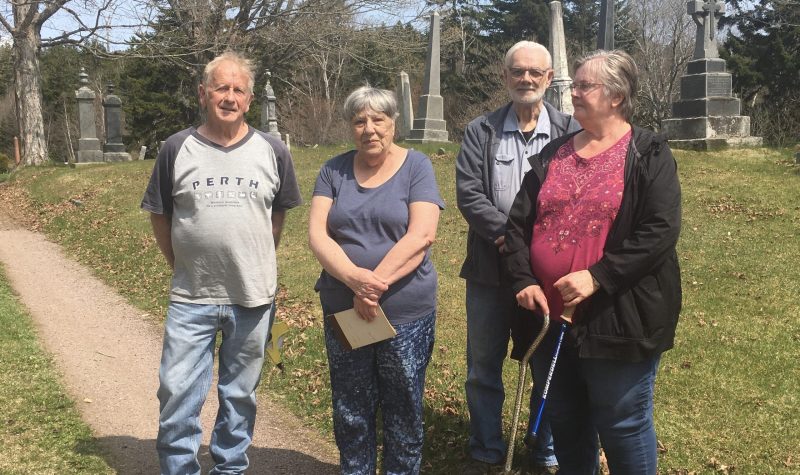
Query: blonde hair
point(244, 64)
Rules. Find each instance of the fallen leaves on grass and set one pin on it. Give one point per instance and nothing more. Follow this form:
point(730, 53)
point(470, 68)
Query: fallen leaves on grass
point(727, 205)
point(720, 467)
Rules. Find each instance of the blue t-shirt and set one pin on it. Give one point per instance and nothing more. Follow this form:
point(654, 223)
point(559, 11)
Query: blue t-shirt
point(368, 222)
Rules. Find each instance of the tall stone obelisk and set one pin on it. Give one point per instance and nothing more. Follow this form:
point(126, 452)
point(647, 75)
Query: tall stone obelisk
point(559, 94)
point(605, 34)
point(430, 125)
point(707, 115)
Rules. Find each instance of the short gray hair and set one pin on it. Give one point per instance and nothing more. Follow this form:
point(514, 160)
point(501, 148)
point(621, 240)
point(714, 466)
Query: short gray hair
point(244, 64)
point(618, 74)
point(530, 45)
point(368, 97)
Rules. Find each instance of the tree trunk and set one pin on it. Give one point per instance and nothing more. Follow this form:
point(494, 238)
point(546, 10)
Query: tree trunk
point(29, 95)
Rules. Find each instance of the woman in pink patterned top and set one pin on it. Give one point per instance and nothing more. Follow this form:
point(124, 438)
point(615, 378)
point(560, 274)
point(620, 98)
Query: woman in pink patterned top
point(594, 228)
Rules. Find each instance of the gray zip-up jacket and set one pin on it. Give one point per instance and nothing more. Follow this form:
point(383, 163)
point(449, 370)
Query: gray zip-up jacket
point(474, 168)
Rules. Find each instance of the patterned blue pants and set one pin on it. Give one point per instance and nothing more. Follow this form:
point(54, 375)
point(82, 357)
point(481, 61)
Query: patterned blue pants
point(390, 375)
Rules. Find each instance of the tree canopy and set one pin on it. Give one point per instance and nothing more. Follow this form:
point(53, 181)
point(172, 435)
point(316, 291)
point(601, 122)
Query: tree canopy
point(763, 54)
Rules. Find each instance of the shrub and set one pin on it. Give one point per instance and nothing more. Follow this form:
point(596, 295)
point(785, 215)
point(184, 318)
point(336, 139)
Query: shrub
point(4, 162)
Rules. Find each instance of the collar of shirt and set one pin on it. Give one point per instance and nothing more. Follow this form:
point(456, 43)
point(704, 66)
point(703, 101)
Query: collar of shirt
point(511, 124)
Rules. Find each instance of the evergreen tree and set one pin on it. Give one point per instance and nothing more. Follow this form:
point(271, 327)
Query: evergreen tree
point(158, 100)
point(581, 25)
point(509, 21)
point(763, 54)
point(6, 72)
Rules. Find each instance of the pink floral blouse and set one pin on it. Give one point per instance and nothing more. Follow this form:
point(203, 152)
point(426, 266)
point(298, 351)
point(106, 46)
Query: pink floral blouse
point(575, 209)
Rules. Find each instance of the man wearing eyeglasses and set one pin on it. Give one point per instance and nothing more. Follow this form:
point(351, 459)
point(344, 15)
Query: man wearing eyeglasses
point(489, 171)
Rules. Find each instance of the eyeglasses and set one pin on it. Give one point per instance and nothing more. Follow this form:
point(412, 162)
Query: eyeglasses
point(583, 87)
point(519, 73)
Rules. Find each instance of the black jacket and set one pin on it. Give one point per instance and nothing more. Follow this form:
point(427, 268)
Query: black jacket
point(634, 314)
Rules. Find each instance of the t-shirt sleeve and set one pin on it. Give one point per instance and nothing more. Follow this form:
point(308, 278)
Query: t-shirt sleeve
point(326, 183)
point(423, 185)
point(323, 185)
point(158, 195)
point(288, 195)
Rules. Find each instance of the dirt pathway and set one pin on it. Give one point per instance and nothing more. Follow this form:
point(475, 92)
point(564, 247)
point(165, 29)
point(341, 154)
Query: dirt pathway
point(109, 354)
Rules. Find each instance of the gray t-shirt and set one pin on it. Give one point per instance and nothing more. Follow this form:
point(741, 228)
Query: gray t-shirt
point(221, 201)
point(368, 222)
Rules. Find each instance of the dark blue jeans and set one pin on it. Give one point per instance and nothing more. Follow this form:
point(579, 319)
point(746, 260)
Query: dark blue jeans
point(390, 375)
point(606, 398)
point(489, 313)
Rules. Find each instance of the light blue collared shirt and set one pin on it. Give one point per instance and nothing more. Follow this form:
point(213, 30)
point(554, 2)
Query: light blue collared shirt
point(511, 162)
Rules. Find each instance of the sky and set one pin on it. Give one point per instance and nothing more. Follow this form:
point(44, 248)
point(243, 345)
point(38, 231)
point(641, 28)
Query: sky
point(127, 12)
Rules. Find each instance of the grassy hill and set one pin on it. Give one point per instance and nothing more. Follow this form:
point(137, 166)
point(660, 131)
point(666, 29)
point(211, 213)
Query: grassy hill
point(726, 396)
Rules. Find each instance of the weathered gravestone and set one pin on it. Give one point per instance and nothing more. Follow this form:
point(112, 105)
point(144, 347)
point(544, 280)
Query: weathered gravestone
point(559, 94)
point(707, 116)
point(269, 114)
point(406, 108)
point(430, 125)
point(114, 150)
point(89, 148)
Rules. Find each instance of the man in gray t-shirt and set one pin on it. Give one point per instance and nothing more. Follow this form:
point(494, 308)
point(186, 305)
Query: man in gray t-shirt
point(217, 199)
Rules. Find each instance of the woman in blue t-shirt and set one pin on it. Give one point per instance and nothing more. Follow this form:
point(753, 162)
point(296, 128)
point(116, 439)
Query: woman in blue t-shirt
point(373, 219)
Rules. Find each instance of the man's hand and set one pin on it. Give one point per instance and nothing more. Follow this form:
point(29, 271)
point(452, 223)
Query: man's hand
point(532, 297)
point(576, 287)
point(501, 244)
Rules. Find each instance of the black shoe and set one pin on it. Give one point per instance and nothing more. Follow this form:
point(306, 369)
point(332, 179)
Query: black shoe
point(476, 467)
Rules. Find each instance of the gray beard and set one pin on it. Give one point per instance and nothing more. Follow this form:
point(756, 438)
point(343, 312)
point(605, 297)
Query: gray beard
point(535, 99)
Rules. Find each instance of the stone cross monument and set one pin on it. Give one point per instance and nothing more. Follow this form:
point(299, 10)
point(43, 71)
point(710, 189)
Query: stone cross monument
point(705, 16)
point(269, 115)
point(707, 115)
point(430, 125)
point(406, 107)
point(605, 35)
point(89, 149)
point(114, 150)
point(559, 94)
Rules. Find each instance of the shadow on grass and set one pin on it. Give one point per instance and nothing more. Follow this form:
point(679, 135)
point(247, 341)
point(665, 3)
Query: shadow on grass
point(131, 456)
point(446, 439)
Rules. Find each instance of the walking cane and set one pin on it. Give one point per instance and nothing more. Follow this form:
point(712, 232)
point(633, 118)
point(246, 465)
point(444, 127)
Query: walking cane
point(523, 366)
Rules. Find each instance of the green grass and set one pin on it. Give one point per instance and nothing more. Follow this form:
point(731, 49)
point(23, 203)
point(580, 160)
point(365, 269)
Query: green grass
point(727, 395)
point(40, 430)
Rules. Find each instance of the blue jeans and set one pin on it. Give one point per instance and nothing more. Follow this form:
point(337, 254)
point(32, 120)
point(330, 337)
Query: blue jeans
point(606, 398)
point(187, 364)
point(390, 375)
point(489, 314)
point(540, 452)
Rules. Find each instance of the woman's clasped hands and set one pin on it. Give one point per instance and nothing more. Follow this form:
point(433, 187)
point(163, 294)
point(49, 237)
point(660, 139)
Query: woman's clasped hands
point(367, 288)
